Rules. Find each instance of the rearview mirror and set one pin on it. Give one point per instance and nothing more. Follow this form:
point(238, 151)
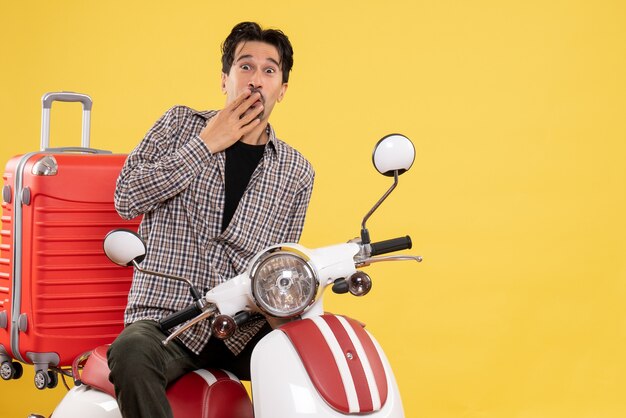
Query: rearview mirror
point(123, 246)
point(393, 153)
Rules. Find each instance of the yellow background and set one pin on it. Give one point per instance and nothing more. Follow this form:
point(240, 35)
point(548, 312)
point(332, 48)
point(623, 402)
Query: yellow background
point(516, 201)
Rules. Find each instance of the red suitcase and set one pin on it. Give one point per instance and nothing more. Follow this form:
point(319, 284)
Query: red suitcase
point(59, 294)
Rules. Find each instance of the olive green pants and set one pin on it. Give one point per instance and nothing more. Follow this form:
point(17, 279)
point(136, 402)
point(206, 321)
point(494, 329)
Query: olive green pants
point(142, 367)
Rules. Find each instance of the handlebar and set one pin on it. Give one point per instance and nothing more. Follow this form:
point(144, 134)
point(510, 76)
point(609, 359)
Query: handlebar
point(242, 317)
point(180, 317)
point(391, 245)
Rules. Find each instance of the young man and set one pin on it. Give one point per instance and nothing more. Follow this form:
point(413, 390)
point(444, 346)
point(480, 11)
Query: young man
point(214, 188)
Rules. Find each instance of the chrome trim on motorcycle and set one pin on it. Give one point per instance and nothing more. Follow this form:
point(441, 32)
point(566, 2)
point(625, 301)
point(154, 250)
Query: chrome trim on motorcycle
point(364, 233)
point(263, 302)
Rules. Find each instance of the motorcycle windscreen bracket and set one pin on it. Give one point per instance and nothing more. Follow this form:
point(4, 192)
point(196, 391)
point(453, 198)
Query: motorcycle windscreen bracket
point(341, 361)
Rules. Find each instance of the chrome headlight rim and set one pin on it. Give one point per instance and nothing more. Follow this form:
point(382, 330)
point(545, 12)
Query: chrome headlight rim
point(289, 252)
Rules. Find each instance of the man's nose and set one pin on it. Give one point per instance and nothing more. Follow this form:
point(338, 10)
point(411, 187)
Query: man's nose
point(255, 80)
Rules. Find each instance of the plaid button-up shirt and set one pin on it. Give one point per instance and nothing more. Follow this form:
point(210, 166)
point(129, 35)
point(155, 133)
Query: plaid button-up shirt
point(178, 185)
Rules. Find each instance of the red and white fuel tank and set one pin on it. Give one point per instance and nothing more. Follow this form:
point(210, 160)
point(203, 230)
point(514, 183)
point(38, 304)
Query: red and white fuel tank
point(325, 366)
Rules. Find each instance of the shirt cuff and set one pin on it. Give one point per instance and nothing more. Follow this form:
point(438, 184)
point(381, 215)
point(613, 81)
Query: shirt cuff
point(195, 153)
point(205, 145)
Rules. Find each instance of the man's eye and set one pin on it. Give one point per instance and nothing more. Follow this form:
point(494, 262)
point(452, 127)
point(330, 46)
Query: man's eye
point(245, 67)
point(270, 70)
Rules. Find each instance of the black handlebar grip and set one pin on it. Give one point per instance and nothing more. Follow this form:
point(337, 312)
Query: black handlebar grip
point(241, 318)
point(179, 317)
point(391, 245)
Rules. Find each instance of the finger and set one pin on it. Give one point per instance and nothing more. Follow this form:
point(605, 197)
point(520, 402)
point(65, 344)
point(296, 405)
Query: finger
point(238, 100)
point(249, 127)
point(252, 114)
point(248, 103)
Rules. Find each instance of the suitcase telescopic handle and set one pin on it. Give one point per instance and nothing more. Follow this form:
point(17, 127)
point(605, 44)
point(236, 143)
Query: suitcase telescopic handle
point(64, 96)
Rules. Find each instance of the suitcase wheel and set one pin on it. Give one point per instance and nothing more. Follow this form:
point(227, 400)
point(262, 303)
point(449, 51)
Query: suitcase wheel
point(11, 370)
point(46, 379)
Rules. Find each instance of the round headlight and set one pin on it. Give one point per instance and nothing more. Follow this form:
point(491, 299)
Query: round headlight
point(283, 284)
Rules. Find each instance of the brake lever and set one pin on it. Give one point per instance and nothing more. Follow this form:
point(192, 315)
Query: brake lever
point(367, 261)
point(210, 311)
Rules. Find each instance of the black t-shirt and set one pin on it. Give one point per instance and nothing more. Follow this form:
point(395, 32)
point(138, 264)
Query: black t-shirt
point(241, 161)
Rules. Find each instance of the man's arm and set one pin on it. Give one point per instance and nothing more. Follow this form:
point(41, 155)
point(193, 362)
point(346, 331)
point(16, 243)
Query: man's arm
point(156, 170)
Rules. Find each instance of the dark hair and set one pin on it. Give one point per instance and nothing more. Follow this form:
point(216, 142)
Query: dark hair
point(251, 31)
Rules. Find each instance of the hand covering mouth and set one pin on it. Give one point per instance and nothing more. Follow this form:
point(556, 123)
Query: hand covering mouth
point(261, 98)
point(261, 101)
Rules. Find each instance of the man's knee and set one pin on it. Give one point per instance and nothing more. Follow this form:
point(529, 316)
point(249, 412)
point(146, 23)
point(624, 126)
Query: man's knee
point(135, 352)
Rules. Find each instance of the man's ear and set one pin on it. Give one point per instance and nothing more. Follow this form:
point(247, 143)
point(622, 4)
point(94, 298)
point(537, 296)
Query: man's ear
point(283, 90)
point(224, 77)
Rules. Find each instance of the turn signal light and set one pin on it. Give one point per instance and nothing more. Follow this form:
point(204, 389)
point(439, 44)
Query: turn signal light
point(223, 327)
point(359, 284)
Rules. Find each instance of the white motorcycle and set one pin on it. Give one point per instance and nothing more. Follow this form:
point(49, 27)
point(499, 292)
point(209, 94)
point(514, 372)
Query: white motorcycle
point(312, 363)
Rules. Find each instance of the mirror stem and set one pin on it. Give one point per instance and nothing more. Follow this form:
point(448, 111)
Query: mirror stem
point(365, 235)
point(194, 292)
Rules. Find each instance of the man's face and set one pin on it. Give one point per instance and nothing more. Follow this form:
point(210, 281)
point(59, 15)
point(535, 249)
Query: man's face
point(256, 67)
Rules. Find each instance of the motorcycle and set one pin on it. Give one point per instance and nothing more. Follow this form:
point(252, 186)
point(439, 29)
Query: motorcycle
point(311, 364)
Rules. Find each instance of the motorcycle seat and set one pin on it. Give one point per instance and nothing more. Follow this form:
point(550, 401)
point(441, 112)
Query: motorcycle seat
point(204, 393)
